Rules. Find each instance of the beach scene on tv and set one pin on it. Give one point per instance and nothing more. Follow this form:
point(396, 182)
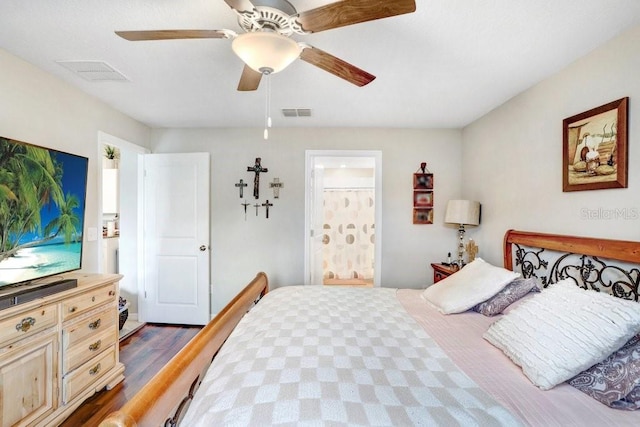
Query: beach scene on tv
point(42, 200)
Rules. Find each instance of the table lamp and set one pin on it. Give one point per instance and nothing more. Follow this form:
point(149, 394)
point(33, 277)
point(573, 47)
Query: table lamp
point(462, 212)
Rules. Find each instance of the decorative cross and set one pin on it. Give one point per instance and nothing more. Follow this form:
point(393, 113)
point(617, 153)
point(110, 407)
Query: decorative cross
point(245, 204)
point(257, 169)
point(257, 206)
point(241, 186)
point(267, 204)
point(276, 185)
point(472, 250)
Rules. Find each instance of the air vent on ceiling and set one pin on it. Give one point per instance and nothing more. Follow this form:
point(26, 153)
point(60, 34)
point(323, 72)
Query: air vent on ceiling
point(93, 71)
point(296, 112)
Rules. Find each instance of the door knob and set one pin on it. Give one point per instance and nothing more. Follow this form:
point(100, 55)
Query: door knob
point(203, 248)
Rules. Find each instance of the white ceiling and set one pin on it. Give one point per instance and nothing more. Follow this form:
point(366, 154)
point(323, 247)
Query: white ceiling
point(445, 65)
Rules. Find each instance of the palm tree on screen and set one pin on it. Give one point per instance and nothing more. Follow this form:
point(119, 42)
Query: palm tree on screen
point(30, 181)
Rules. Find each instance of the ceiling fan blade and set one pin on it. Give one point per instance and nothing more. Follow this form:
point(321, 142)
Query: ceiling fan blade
point(336, 66)
point(135, 36)
point(241, 6)
point(250, 79)
point(349, 12)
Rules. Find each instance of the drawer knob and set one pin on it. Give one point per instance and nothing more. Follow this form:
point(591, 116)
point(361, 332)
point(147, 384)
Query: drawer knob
point(112, 293)
point(96, 345)
point(95, 369)
point(26, 324)
point(95, 325)
point(73, 309)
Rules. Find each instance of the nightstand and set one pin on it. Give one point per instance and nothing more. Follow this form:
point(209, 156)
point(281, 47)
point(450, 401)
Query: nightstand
point(441, 271)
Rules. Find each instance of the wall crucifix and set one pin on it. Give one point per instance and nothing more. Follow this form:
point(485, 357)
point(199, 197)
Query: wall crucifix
point(245, 204)
point(276, 185)
point(266, 205)
point(257, 169)
point(241, 186)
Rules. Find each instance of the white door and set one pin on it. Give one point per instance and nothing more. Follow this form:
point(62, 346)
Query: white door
point(176, 244)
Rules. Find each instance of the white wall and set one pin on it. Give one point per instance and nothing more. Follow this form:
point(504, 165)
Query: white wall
point(512, 157)
point(240, 248)
point(38, 108)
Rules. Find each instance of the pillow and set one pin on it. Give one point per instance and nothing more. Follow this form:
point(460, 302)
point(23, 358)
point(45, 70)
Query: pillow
point(520, 301)
point(474, 283)
point(616, 380)
point(564, 330)
point(507, 296)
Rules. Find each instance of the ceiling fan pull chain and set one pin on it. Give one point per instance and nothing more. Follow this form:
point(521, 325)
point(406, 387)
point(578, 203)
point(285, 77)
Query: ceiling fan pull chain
point(267, 118)
point(269, 101)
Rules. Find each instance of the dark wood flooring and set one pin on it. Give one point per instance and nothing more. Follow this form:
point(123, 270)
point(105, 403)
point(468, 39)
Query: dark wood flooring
point(143, 354)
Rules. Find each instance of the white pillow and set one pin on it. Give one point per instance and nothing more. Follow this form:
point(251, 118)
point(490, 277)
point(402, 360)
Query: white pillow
point(474, 283)
point(564, 330)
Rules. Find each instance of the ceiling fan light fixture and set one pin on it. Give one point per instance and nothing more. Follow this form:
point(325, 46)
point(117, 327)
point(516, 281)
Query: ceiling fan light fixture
point(266, 51)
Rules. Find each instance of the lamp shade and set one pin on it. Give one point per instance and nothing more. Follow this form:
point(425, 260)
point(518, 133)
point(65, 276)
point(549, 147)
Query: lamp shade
point(266, 51)
point(462, 212)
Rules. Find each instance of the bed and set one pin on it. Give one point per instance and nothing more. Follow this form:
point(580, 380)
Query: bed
point(398, 361)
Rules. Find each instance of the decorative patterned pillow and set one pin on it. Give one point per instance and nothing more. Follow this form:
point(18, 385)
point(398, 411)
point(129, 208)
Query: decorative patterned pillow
point(474, 283)
point(564, 330)
point(507, 296)
point(616, 380)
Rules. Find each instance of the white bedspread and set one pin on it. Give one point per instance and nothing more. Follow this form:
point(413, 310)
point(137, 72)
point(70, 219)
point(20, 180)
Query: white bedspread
point(337, 356)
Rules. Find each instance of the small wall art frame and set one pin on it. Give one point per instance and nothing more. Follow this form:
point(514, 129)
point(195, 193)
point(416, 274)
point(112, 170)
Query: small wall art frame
point(423, 181)
point(595, 147)
point(422, 216)
point(423, 199)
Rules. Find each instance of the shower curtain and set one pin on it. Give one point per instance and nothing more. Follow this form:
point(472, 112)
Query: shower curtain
point(349, 234)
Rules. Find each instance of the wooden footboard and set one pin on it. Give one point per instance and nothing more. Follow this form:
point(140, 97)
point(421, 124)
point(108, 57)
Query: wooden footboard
point(165, 398)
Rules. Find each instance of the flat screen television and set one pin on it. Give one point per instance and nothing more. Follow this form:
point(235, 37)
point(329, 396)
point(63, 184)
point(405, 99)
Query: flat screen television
point(42, 208)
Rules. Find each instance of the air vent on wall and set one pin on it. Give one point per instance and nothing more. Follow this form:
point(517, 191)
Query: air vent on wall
point(296, 112)
point(93, 71)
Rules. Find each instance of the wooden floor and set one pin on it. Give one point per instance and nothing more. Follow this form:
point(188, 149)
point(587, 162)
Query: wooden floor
point(143, 354)
point(364, 283)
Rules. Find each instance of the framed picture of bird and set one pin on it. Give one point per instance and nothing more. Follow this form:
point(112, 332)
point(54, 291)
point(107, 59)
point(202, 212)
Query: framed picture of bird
point(595, 148)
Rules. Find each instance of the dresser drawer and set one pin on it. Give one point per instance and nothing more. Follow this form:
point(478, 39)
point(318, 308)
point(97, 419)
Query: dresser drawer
point(87, 349)
point(90, 326)
point(75, 306)
point(26, 324)
point(79, 379)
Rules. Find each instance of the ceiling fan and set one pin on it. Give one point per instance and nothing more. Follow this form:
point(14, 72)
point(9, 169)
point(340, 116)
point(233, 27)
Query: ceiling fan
point(266, 46)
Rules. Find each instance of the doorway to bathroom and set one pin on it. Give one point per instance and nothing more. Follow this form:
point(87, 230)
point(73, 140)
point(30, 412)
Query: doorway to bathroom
point(343, 217)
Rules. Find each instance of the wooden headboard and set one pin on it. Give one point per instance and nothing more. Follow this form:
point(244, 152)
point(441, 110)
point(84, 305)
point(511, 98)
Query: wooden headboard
point(605, 265)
